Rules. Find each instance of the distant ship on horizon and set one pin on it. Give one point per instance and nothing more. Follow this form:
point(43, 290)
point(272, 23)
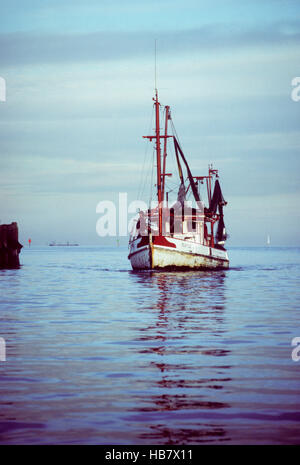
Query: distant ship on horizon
point(66, 244)
point(268, 240)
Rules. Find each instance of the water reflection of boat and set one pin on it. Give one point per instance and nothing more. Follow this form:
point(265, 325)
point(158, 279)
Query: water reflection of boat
point(186, 357)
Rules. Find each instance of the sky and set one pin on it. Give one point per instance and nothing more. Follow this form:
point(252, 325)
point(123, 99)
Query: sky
point(79, 85)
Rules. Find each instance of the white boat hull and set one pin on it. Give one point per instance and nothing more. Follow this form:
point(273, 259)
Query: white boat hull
point(181, 254)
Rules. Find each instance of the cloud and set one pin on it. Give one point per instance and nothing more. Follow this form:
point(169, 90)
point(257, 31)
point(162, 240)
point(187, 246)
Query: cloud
point(57, 176)
point(79, 101)
point(29, 48)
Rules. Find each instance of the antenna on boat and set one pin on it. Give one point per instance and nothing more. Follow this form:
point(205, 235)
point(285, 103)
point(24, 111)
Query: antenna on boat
point(155, 66)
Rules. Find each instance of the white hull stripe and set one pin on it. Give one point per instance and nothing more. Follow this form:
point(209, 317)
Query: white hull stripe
point(171, 251)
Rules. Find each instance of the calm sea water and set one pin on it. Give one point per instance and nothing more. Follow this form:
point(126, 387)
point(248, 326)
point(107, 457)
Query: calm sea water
point(96, 353)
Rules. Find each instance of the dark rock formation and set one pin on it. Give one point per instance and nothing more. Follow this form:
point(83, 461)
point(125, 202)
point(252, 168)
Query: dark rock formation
point(9, 246)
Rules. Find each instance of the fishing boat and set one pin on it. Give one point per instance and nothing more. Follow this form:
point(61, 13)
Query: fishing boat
point(185, 234)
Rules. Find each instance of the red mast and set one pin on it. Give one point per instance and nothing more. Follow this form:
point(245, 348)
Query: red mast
point(160, 176)
point(158, 162)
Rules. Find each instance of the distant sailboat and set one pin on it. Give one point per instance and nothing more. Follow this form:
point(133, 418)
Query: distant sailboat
point(268, 240)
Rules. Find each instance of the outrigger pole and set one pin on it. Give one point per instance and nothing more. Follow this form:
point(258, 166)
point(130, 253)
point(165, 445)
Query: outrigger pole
point(164, 174)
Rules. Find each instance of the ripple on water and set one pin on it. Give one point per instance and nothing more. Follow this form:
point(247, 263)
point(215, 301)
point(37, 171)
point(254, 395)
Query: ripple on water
point(97, 353)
